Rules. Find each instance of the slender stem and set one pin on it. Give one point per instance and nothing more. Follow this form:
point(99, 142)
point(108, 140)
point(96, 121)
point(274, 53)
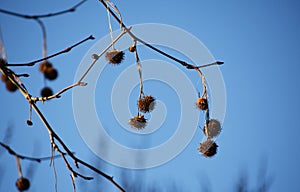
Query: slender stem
point(19, 166)
point(41, 24)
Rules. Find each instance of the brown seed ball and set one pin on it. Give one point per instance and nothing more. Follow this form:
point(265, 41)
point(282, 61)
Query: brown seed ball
point(146, 104)
point(46, 92)
point(208, 148)
point(3, 61)
point(51, 73)
point(212, 129)
point(10, 86)
point(202, 103)
point(3, 78)
point(132, 48)
point(29, 123)
point(44, 66)
point(114, 56)
point(23, 184)
point(138, 122)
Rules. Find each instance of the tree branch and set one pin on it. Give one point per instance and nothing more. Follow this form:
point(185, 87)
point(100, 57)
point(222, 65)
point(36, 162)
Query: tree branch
point(55, 54)
point(183, 63)
point(72, 9)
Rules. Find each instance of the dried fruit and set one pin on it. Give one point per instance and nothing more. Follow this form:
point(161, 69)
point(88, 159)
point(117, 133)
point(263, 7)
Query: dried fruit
point(23, 184)
point(114, 56)
point(10, 86)
point(202, 103)
point(29, 123)
point(146, 104)
point(51, 73)
point(3, 78)
point(138, 122)
point(44, 66)
point(132, 48)
point(208, 148)
point(212, 128)
point(46, 92)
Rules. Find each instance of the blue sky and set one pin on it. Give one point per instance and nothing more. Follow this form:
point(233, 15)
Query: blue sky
point(259, 42)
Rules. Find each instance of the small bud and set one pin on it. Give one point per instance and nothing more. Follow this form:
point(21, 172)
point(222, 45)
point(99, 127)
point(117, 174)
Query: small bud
point(202, 103)
point(29, 123)
point(132, 48)
point(95, 56)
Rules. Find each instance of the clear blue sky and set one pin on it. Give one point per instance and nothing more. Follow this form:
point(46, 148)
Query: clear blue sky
point(259, 42)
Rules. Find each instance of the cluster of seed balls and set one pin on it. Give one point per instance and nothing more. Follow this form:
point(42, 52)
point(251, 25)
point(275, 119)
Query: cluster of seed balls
point(211, 130)
point(146, 103)
point(50, 73)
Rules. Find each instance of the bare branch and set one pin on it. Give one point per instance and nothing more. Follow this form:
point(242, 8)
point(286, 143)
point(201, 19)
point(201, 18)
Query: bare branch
point(183, 63)
point(72, 9)
point(55, 54)
point(12, 152)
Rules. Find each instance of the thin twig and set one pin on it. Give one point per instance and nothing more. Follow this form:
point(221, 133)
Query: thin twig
point(72, 9)
point(55, 54)
point(19, 166)
point(12, 152)
point(183, 63)
point(44, 34)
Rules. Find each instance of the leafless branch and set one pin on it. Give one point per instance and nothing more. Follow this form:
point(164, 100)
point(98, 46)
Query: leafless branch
point(183, 63)
point(12, 152)
point(54, 55)
point(72, 9)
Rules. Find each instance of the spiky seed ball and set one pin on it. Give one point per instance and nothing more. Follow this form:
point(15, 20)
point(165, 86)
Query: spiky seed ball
point(114, 56)
point(202, 103)
point(51, 73)
point(46, 92)
point(132, 48)
point(10, 86)
point(212, 129)
point(208, 148)
point(23, 184)
point(44, 66)
point(146, 104)
point(138, 122)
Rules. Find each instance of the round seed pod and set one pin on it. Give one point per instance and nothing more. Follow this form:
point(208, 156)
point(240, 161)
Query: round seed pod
point(44, 66)
point(29, 123)
point(3, 78)
point(23, 184)
point(138, 122)
point(212, 129)
point(208, 148)
point(10, 86)
point(51, 73)
point(3, 61)
point(46, 92)
point(132, 48)
point(114, 56)
point(202, 103)
point(146, 104)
